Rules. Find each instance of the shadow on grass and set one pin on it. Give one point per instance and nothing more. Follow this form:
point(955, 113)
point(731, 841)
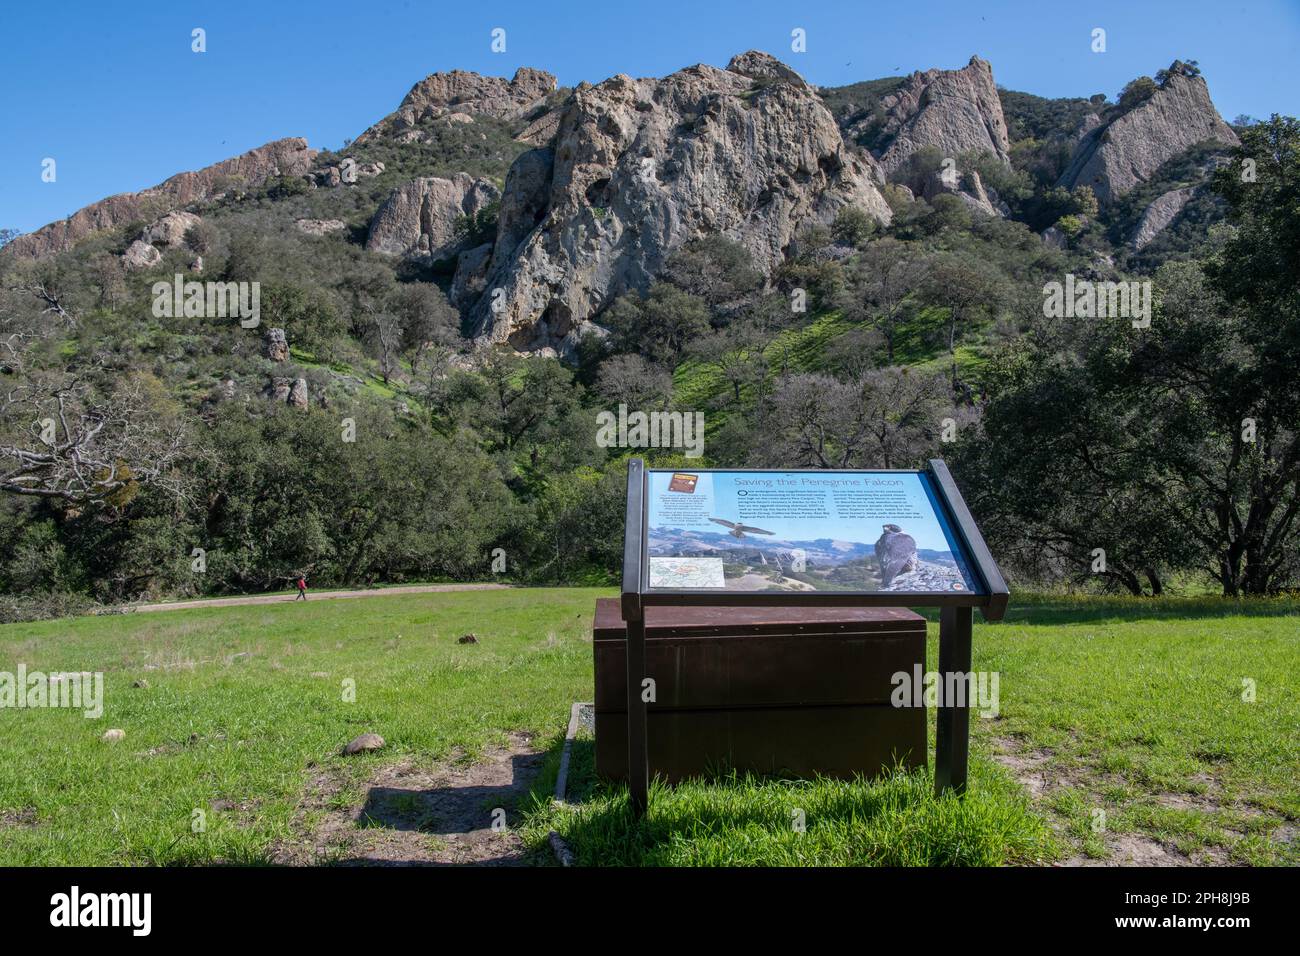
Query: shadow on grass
point(734, 819)
point(454, 809)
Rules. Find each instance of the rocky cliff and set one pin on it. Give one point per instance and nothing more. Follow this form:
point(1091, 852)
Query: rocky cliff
point(1126, 148)
point(640, 166)
point(459, 96)
point(283, 157)
point(419, 219)
point(954, 111)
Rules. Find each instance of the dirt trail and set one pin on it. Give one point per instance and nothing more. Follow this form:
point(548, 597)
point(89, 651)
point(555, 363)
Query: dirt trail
point(317, 596)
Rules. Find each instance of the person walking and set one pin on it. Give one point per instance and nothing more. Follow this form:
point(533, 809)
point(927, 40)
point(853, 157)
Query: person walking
point(302, 589)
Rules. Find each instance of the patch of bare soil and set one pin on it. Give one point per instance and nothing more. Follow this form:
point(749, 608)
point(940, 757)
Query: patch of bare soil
point(1031, 767)
point(454, 814)
point(1134, 849)
point(23, 817)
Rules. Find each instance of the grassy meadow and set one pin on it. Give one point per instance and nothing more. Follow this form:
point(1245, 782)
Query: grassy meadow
point(1135, 708)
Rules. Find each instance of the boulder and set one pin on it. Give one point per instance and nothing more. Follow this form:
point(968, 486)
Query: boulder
point(276, 345)
point(140, 255)
point(170, 229)
point(364, 744)
point(1128, 147)
point(968, 187)
point(298, 394)
point(639, 167)
point(345, 173)
point(280, 389)
point(320, 227)
point(418, 220)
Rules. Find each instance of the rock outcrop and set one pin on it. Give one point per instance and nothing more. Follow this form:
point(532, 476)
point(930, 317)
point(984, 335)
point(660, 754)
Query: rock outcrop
point(141, 255)
point(462, 92)
point(639, 167)
point(968, 188)
point(953, 111)
point(284, 157)
point(298, 394)
point(1158, 216)
point(419, 219)
point(927, 576)
point(1127, 148)
point(276, 345)
point(170, 230)
point(471, 276)
point(320, 227)
point(345, 173)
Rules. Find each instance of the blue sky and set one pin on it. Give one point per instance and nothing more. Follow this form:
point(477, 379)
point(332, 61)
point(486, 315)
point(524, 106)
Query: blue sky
point(114, 94)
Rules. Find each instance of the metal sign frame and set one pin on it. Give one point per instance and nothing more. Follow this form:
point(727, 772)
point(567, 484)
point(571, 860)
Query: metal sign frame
point(952, 737)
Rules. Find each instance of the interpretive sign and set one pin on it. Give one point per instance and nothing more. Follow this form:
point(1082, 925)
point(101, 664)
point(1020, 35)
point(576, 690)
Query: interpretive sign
point(854, 531)
point(818, 539)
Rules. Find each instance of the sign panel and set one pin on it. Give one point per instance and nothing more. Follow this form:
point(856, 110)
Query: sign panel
point(868, 532)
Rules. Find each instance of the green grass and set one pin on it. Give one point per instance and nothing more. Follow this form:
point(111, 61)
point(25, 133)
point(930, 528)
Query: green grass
point(1131, 706)
point(213, 725)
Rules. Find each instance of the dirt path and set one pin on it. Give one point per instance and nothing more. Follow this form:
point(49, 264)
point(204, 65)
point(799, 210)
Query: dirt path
point(317, 596)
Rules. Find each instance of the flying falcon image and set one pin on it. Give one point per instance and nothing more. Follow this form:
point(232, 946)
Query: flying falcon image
point(738, 531)
point(896, 554)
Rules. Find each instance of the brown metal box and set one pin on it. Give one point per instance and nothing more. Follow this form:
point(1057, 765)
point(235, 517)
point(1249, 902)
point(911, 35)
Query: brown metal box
point(794, 691)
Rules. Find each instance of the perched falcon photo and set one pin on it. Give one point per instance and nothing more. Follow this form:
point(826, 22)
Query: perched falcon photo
point(740, 530)
point(896, 553)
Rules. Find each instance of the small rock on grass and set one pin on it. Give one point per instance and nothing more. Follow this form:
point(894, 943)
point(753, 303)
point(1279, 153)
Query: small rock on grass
point(364, 744)
point(467, 639)
point(113, 735)
point(142, 684)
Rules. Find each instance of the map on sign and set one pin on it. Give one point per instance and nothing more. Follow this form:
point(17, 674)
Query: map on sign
point(872, 531)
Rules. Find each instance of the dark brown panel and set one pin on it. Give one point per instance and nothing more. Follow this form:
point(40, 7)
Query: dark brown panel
point(839, 742)
point(762, 670)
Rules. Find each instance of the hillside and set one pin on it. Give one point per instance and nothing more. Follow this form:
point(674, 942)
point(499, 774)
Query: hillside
point(432, 315)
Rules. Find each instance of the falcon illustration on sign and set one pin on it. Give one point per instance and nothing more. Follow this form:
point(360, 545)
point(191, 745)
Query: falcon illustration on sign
point(896, 553)
point(738, 531)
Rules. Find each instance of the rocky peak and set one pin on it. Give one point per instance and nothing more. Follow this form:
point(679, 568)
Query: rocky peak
point(463, 93)
point(283, 157)
point(489, 95)
point(763, 66)
point(1127, 147)
point(954, 111)
point(640, 166)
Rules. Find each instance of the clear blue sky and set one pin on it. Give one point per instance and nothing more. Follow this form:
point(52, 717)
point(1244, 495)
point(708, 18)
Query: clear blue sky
point(114, 94)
